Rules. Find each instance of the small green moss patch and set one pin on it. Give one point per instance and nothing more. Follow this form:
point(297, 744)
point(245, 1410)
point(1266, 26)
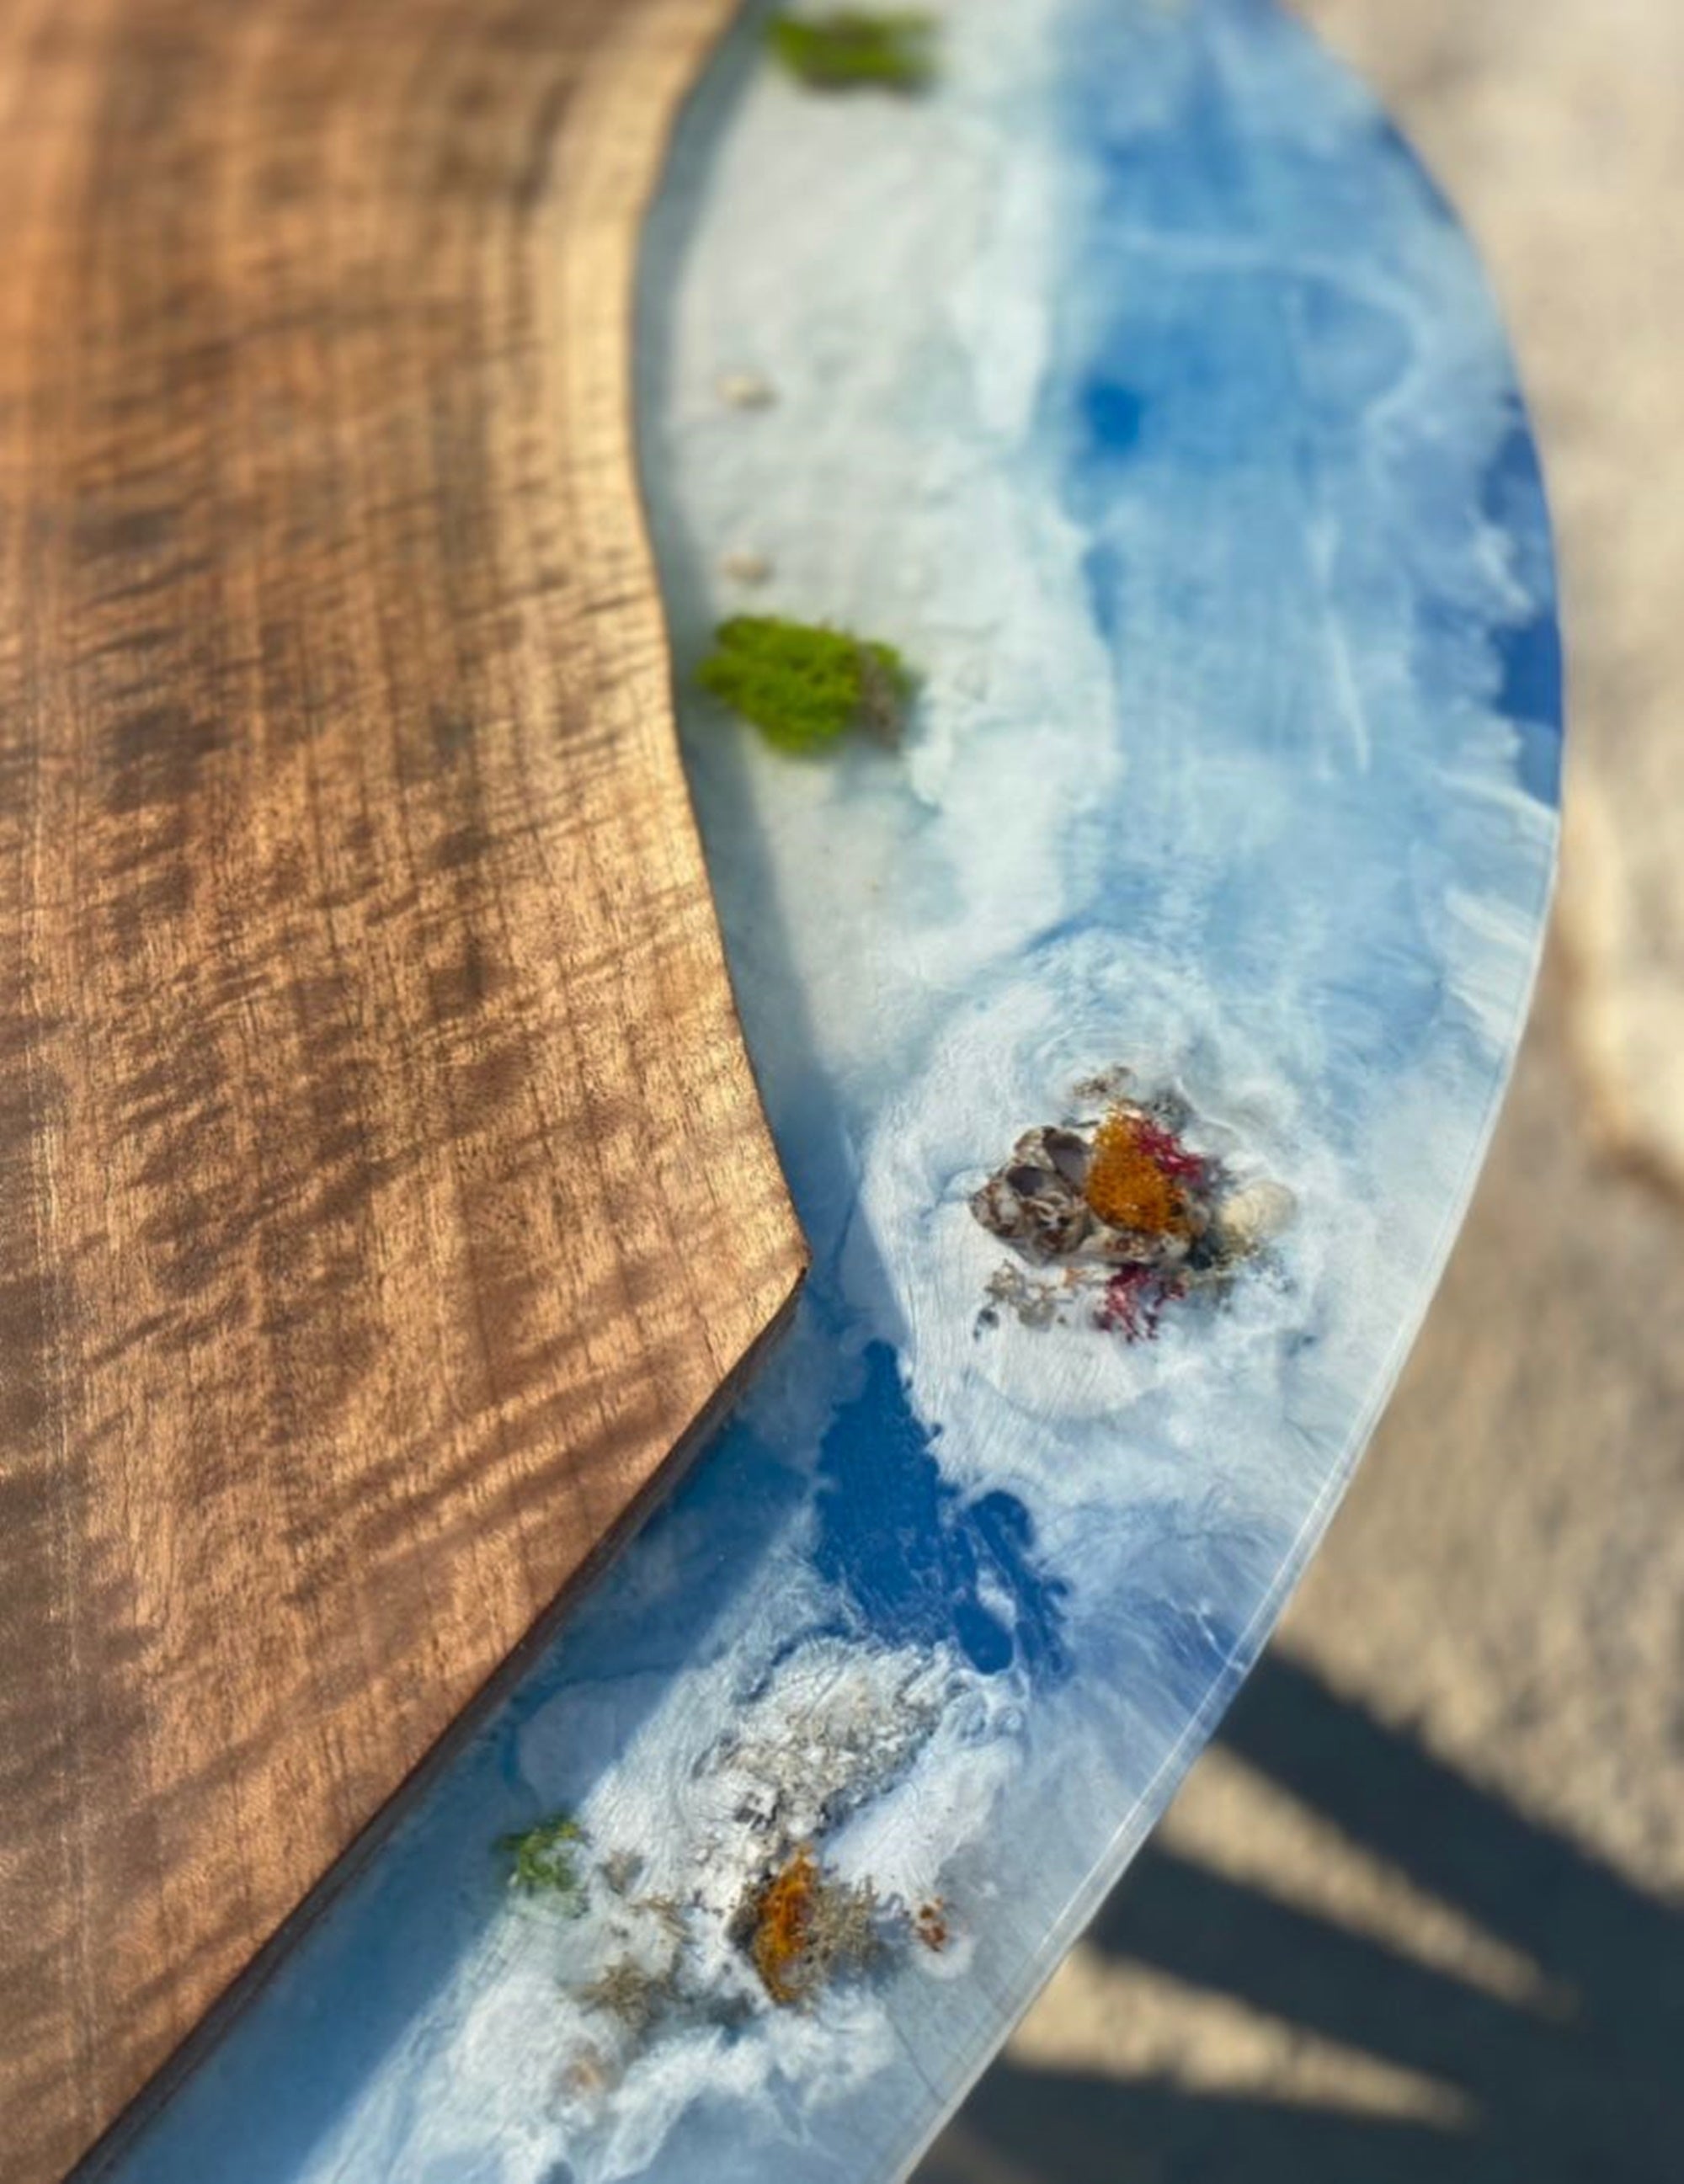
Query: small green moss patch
point(803, 686)
point(544, 1860)
point(854, 48)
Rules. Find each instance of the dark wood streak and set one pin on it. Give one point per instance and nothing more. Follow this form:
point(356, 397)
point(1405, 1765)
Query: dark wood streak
point(383, 1192)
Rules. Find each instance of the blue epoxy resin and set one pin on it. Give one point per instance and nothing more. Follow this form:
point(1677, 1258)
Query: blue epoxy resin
point(1136, 384)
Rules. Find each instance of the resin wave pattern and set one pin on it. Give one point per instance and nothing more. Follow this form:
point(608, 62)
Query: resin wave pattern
point(1134, 384)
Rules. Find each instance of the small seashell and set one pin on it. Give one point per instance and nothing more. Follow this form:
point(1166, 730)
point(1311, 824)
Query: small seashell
point(1253, 1215)
point(1068, 1154)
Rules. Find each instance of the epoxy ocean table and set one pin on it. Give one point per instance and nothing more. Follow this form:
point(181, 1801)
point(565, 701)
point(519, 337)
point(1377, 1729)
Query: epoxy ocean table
point(1130, 1029)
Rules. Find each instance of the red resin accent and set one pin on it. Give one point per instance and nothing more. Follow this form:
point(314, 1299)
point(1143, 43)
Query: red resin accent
point(1133, 1302)
point(1167, 1150)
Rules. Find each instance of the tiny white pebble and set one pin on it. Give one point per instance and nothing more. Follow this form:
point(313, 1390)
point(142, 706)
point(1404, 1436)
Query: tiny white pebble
point(747, 390)
point(743, 567)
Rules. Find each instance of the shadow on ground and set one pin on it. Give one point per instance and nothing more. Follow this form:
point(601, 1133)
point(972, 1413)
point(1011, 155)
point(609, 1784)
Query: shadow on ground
point(1587, 2087)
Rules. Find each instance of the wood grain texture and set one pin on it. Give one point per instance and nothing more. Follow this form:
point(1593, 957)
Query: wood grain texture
point(383, 1190)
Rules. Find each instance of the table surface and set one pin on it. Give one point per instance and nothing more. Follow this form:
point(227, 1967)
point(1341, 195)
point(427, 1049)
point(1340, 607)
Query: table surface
point(1136, 384)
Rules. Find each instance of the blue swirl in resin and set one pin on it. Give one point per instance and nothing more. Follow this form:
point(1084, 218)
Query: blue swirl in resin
point(906, 1551)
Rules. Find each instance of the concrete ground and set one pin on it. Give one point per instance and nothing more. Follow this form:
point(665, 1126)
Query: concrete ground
point(1418, 1917)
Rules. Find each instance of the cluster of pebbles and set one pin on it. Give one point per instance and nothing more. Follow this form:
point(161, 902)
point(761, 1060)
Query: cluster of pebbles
point(1113, 1219)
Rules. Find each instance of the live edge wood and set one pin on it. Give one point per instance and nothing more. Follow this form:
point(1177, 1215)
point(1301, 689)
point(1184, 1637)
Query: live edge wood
point(383, 1191)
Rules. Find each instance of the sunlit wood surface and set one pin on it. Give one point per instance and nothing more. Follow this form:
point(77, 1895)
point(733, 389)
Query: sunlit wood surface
point(384, 1193)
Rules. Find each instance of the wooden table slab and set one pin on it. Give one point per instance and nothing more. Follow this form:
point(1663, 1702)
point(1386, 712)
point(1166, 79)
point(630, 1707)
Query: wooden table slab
point(384, 1196)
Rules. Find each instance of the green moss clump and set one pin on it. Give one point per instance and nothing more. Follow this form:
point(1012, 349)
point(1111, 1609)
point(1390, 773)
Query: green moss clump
point(545, 1860)
point(853, 47)
point(803, 686)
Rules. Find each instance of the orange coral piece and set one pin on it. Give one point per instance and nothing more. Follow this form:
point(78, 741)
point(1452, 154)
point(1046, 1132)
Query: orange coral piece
point(784, 1918)
point(1127, 1184)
